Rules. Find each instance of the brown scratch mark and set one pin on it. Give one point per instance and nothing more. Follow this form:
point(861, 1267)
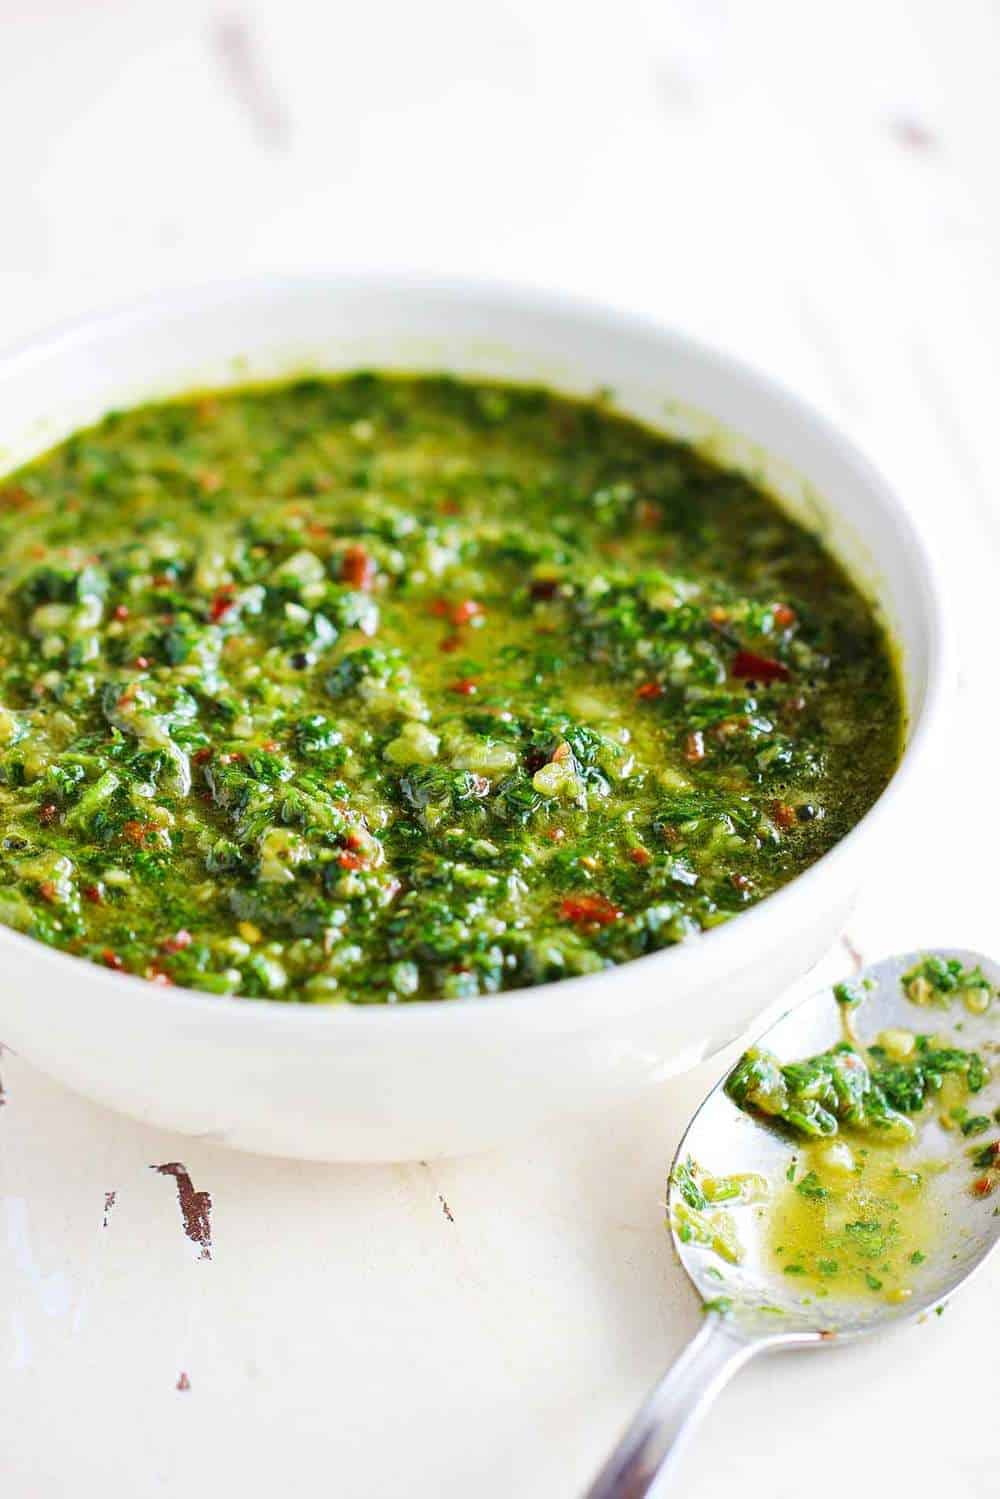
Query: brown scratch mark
point(196, 1207)
point(912, 135)
point(247, 76)
point(446, 1209)
point(183, 1383)
point(857, 961)
point(110, 1198)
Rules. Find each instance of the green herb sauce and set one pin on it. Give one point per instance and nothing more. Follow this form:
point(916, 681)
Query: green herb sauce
point(858, 1211)
point(378, 689)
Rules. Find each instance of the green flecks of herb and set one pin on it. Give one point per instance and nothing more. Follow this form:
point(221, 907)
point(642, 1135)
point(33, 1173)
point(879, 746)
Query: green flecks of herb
point(868, 1236)
point(917, 1257)
point(872, 1282)
point(943, 976)
point(795, 1269)
point(152, 868)
point(790, 1173)
point(850, 993)
point(686, 1183)
point(811, 1186)
point(986, 1155)
point(721, 1304)
point(977, 1073)
point(977, 1125)
point(828, 1267)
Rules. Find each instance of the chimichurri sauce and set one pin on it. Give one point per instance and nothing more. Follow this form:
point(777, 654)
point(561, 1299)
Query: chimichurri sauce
point(881, 1128)
point(377, 689)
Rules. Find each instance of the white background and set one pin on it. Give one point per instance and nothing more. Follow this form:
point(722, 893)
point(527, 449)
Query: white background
point(812, 186)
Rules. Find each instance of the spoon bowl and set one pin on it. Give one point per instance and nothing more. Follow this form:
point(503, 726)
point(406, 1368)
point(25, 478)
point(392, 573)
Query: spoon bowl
point(725, 1138)
point(754, 1305)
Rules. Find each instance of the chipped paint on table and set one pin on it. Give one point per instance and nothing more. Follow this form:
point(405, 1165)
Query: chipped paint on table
point(176, 1319)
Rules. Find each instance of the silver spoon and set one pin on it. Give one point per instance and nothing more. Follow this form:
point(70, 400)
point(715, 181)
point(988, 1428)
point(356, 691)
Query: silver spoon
point(768, 1311)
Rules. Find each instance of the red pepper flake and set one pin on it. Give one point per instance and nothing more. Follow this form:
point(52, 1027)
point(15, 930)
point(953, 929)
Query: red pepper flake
point(648, 514)
point(142, 663)
point(356, 839)
point(156, 975)
point(205, 753)
point(465, 611)
point(112, 960)
point(349, 860)
point(753, 668)
point(47, 813)
point(983, 1186)
point(466, 686)
point(640, 855)
point(121, 611)
point(556, 834)
point(178, 941)
point(163, 580)
point(135, 831)
point(450, 507)
point(649, 690)
point(784, 815)
point(221, 604)
point(271, 745)
point(15, 497)
point(718, 615)
point(450, 643)
point(739, 881)
point(357, 568)
point(589, 910)
point(784, 616)
point(439, 607)
point(694, 747)
point(93, 893)
point(47, 891)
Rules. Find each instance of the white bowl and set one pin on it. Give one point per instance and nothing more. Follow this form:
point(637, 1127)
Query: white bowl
point(431, 1079)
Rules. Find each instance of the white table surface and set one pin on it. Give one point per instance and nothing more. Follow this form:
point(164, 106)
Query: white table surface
point(812, 186)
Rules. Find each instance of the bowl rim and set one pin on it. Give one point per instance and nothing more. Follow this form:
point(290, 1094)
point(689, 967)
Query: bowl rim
point(570, 1001)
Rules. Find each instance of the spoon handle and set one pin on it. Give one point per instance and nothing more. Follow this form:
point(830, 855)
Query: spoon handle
point(645, 1457)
